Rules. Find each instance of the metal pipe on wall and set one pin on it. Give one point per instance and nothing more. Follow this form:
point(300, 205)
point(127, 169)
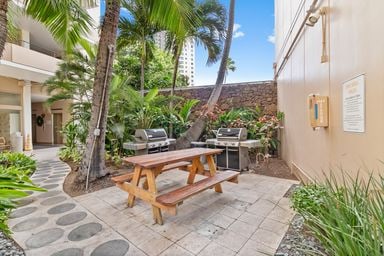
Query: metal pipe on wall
point(291, 47)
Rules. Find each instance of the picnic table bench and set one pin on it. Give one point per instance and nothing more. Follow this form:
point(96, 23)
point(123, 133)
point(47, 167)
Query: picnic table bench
point(150, 166)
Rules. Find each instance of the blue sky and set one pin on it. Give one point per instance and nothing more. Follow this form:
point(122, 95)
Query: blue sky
point(252, 50)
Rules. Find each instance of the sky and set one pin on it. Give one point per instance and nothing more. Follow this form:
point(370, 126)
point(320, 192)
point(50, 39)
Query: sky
point(252, 46)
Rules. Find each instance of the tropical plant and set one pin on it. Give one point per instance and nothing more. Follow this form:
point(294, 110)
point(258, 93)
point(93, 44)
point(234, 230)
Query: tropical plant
point(158, 71)
point(173, 15)
point(345, 214)
point(138, 29)
point(209, 31)
point(15, 169)
point(195, 131)
point(20, 161)
point(67, 20)
point(230, 67)
point(74, 137)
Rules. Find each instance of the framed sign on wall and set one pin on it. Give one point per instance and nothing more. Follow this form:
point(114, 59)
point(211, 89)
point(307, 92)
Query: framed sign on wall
point(354, 104)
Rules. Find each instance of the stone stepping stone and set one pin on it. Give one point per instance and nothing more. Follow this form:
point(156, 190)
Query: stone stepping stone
point(25, 201)
point(52, 180)
point(49, 194)
point(44, 238)
point(54, 200)
point(50, 186)
point(29, 224)
point(85, 231)
point(111, 248)
point(69, 252)
point(61, 208)
point(71, 218)
point(57, 176)
point(22, 212)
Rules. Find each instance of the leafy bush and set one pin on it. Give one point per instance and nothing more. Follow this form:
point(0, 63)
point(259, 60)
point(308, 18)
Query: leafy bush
point(18, 160)
point(14, 181)
point(348, 219)
point(259, 126)
point(70, 154)
point(74, 134)
point(308, 199)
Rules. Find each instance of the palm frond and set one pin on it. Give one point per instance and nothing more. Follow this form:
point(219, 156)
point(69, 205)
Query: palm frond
point(67, 20)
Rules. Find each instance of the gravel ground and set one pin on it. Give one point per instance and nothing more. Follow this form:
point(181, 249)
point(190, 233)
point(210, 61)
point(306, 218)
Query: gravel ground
point(298, 240)
point(8, 247)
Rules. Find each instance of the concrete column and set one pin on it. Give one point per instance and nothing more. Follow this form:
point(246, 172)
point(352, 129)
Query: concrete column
point(27, 116)
point(25, 40)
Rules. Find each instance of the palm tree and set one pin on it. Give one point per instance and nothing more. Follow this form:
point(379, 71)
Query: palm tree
point(67, 20)
point(197, 128)
point(139, 28)
point(230, 67)
point(175, 15)
point(209, 31)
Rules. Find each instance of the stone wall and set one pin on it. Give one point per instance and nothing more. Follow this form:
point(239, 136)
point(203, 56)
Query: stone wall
point(251, 94)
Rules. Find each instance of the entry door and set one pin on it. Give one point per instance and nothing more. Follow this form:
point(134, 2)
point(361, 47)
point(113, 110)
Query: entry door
point(57, 127)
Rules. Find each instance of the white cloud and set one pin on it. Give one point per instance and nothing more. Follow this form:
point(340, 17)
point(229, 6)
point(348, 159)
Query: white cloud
point(236, 31)
point(238, 34)
point(272, 38)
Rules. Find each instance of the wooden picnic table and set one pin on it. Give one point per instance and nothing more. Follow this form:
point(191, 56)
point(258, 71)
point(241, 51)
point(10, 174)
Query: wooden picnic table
point(150, 166)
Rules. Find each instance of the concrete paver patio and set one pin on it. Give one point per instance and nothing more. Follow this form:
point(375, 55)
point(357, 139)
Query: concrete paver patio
point(249, 218)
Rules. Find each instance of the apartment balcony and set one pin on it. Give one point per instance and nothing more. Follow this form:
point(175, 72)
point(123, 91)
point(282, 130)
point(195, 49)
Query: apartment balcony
point(22, 63)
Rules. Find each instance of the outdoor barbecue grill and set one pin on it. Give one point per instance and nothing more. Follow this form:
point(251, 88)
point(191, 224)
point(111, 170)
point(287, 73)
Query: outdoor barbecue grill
point(150, 141)
point(235, 147)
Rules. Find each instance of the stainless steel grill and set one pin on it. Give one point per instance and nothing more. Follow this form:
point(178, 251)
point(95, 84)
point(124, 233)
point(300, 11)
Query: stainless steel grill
point(235, 147)
point(149, 141)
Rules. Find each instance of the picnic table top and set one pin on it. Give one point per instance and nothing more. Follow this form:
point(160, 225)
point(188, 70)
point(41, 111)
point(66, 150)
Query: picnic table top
point(164, 158)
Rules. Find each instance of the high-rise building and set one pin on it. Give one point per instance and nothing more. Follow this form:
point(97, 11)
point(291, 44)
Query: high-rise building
point(187, 57)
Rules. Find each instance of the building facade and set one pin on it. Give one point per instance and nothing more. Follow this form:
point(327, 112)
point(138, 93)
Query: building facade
point(341, 57)
point(187, 57)
point(25, 64)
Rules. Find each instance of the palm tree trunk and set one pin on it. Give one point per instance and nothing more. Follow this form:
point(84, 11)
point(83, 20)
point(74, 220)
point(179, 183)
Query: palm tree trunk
point(142, 66)
point(174, 77)
point(198, 126)
point(95, 156)
point(3, 24)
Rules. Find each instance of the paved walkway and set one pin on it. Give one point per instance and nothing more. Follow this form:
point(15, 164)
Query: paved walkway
point(248, 219)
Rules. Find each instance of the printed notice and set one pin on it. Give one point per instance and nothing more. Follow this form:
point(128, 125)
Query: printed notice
point(354, 105)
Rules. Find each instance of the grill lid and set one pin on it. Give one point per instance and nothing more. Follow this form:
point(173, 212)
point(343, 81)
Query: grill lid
point(232, 134)
point(146, 135)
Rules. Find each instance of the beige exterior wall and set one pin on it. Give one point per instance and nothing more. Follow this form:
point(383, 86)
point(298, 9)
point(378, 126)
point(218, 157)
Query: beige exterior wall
point(355, 46)
point(44, 134)
point(30, 58)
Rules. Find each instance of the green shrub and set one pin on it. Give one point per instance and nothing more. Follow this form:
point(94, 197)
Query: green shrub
point(18, 160)
point(349, 216)
point(15, 169)
point(308, 199)
point(70, 154)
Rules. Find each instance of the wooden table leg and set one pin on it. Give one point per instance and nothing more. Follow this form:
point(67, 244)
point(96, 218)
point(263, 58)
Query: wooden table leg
point(152, 188)
point(157, 171)
point(193, 170)
point(212, 171)
point(135, 182)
